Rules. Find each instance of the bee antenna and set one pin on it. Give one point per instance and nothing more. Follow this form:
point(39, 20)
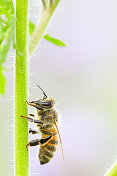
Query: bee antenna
point(45, 96)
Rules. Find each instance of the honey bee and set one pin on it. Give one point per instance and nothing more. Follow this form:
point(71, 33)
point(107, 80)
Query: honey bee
point(47, 119)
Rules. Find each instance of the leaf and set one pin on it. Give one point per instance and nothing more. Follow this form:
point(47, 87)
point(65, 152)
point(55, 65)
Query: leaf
point(7, 35)
point(7, 32)
point(31, 27)
point(54, 41)
point(7, 28)
point(2, 82)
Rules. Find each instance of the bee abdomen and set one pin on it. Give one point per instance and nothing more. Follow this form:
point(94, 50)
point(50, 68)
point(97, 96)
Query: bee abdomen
point(45, 155)
point(51, 148)
point(47, 152)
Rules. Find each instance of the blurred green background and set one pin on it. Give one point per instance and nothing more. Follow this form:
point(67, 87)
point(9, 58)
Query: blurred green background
point(82, 78)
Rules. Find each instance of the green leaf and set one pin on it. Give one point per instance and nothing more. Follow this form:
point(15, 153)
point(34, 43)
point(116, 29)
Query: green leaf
point(7, 28)
point(7, 35)
point(31, 27)
point(54, 41)
point(2, 82)
point(6, 7)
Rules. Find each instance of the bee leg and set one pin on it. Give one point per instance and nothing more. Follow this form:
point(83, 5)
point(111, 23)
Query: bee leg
point(38, 141)
point(27, 118)
point(35, 106)
point(33, 131)
point(32, 115)
point(32, 120)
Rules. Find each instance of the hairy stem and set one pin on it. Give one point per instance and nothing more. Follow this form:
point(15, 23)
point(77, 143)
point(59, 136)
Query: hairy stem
point(40, 29)
point(113, 170)
point(21, 88)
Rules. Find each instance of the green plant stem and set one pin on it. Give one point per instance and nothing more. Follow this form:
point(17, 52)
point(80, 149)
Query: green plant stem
point(40, 29)
point(21, 88)
point(113, 170)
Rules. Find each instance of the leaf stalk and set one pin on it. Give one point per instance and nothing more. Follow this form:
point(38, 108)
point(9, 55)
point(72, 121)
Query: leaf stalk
point(42, 24)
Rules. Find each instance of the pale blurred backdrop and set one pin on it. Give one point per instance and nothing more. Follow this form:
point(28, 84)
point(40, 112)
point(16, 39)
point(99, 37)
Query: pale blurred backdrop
point(82, 78)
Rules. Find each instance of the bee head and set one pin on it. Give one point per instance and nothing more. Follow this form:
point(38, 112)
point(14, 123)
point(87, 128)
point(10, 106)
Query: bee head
point(43, 103)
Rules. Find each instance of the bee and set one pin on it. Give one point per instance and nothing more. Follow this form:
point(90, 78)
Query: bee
point(47, 120)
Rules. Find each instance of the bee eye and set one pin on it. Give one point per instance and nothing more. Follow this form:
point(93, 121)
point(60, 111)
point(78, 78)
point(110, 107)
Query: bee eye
point(46, 104)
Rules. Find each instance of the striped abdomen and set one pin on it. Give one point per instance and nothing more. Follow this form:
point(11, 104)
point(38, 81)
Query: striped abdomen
point(47, 151)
